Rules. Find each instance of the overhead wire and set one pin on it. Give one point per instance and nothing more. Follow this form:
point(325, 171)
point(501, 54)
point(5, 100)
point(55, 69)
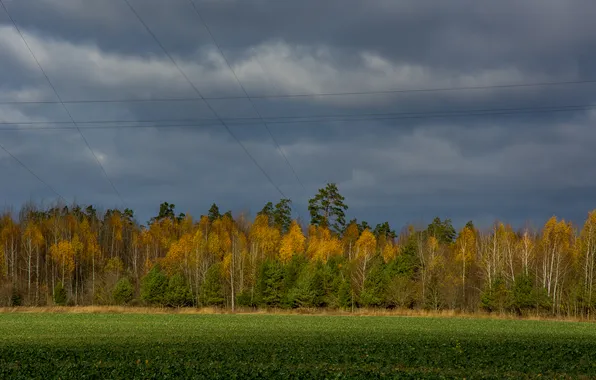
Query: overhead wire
point(305, 95)
point(200, 95)
point(265, 121)
point(22, 164)
point(252, 103)
point(60, 101)
point(175, 123)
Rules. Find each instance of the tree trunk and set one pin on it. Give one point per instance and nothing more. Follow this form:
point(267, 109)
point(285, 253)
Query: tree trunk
point(93, 277)
point(29, 259)
point(232, 273)
point(37, 277)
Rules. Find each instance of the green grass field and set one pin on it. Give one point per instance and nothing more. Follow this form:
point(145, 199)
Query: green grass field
point(276, 346)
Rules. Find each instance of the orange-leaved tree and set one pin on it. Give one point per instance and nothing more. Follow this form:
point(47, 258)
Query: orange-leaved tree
point(365, 250)
point(293, 243)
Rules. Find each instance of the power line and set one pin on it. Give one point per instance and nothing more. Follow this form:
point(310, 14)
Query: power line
point(196, 9)
point(60, 100)
point(196, 90)
point(32, 172)
point(176, 123)
point(304, 95)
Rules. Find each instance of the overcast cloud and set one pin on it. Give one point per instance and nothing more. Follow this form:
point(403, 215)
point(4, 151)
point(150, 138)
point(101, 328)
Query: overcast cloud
point(514, 167)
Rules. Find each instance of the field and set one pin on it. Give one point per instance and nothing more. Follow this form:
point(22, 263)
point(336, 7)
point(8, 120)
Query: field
point(51, 345)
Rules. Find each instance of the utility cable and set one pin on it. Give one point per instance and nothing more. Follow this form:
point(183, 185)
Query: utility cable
point(60, 100)
point(200, 95)
point(252, 103)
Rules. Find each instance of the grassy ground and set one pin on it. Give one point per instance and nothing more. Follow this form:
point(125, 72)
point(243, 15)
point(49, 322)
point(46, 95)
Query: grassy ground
point(447, 313)
point(107, 345)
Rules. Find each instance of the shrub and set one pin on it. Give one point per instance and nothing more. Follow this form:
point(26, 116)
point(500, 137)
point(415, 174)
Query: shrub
point(247, 298)
point(178, 293)
point(271, 284)
point(154, 286)
point(123, 291)
point(15, 298)
point(212, 289)
point(373, 294)
point(60, 297)
point(344, 297)
point(526, 296)
point(308, 290)
point(495, 297)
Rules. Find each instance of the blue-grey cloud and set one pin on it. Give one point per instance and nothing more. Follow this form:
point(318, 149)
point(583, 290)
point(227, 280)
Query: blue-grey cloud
point(520, 167)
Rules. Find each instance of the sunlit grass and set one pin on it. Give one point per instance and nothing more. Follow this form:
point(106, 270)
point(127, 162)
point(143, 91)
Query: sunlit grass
point(129, 345)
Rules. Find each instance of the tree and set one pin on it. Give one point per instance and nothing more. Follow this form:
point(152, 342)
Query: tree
point(212, 289)
point(32, 241)
point(491, 252)
point(91, 250)
point(9, 238)
point(3, 266)
point(154, 286)
point(465, 253)
point(365, 249)
point(349, 238)
point(267, 211)
point(292, 243)
point(443, 231)
point(214, 213)
point(322, 244)
point(526, 249)
point(62, 252)
point(388, 249)
point(232, 260)
point(60, 297)
point(308, 290)
point(271, 284)
point(363, 226)
point(166, 211)
point(63, 255)
point(556, 245)
point(383, 230)
point(587, 258)
point(327, 209)
point(177, 259)
point(178, 292)
point(282, 215)
point(344, 296)
point(373, 290)
point(523, 295)
point(123, 292)
point(495, 296)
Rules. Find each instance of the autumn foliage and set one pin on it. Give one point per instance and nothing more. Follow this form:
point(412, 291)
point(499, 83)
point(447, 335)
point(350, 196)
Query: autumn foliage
point(273, 261)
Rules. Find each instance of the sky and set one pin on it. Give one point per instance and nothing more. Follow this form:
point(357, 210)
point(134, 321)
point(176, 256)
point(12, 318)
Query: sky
point(408, 166)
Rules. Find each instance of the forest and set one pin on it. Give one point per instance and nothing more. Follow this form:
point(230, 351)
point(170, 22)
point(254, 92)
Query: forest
point(73, 255)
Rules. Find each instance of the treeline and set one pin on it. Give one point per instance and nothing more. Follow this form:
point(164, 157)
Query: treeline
point(77, 256)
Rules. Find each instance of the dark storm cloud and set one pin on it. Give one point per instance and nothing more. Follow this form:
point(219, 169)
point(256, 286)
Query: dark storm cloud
point(515, 167)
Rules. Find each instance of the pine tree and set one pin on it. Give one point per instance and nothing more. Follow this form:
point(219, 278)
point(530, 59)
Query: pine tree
point(154, 286)
point(271, 280)
point(123, 292)
point(212, 289)
point(214, 213)
point(60, 296)
point(267, 211)
point(282, 215)
point(327, 209)
point(178, 292)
